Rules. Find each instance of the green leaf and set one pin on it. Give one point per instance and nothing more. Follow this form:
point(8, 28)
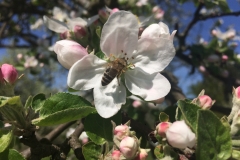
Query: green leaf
point(62, 108)
point(12, 109)
point(158, 151)
point(188, 112)
point(98, 31)
point(92, 151)
point(6, 137)
point(101, 130)
point(171, 112)
point(213, 137)
point(163, 117)
point(28, 102)
point(38, 101)
point(11, 154)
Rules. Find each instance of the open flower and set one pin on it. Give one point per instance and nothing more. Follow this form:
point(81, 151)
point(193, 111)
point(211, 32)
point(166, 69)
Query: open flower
point(77, 25)
point(142, 60)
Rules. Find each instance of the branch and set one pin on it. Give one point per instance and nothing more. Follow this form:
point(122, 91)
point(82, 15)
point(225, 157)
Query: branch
point(48, 138)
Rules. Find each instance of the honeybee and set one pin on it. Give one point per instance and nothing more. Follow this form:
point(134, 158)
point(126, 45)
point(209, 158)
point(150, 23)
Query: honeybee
point(114, 69)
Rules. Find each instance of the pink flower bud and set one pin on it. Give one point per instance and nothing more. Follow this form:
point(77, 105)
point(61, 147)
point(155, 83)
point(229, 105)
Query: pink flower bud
point(68, 52)
point(162, 128)
point(214, 32)
point(9, 73)
point(205, 102)
point(65, 35)
point(202, 69)
point(224, 57)
point(136, 104)
point(142, 155)
point(179, 135)
point(114, 10)
point(103, 14)
point(116, 154)
point(79, 31)
point(19, 56)
point(128, 147)
point(237, 92)
point(121, 131)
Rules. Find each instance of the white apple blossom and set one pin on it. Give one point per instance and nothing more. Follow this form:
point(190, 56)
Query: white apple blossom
point(145, 58)
point(179, 135)
point(61, 27)
point(229, 34)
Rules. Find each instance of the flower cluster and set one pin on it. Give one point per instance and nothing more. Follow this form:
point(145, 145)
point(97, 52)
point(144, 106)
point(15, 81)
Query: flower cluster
point(129, 61)
point(128, 146)
point(177, 134)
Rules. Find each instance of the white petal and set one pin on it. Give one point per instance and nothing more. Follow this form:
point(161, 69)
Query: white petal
point(148, 86)
point(68, 52)
point(109, 99)
point(85, 73)
point(76, 21)
point(120, 33)
point(92, 19)
point(164, 27)
point(157, 30)
point(55, 25)
point(153, 54)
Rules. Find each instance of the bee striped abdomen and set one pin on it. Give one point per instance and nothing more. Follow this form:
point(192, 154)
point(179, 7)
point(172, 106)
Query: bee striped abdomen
point(108, 76)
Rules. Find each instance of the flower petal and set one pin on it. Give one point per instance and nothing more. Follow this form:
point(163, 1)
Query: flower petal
point(148, 86)
point(158, 30)
point(76, 21)
point(109, 99)
point(153, 54)
point(84, 74)
point(68, 52)
point(55, 25)
point(120, 33)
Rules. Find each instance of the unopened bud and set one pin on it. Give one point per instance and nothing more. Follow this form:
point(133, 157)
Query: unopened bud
point(205, 102)
point(202, 69)
point(79, 31)
point(237, 92)
point(214, 32)
point(142, 155)
point(9, 73)
point(162, 128)
point(114, 10)
point(68, 52)
point(116, 154)
point(224, 58)
point(103, 14)
point(121, 131)
point(179, 135)
point(129, 147)
point(136, 103)
point(65, 35)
